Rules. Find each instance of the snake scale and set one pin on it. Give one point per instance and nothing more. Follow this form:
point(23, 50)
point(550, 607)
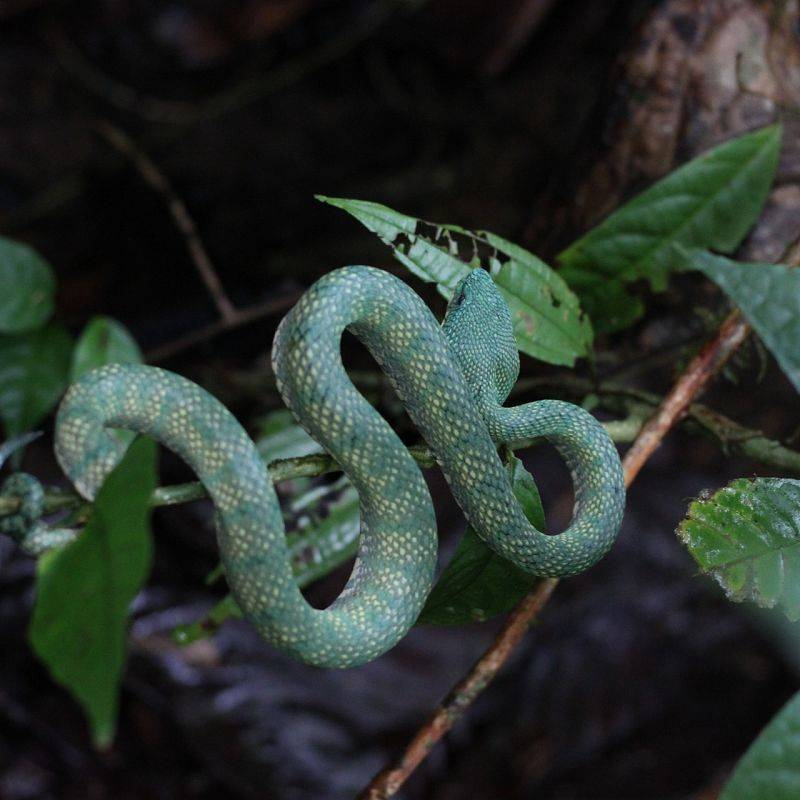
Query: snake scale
point(453, 380)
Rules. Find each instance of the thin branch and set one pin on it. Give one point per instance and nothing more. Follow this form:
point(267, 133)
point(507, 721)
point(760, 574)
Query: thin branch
point(177, 209)
point(696, 376)
point(729, 435)
point(452, 708)
point(637, 404)
point(281, 469)
point(240, 317)
point(230, 317)
point(704, 366)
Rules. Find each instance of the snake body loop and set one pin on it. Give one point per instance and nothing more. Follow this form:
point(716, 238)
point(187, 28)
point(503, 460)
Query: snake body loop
point(30, 494)
point(26, 526)
point(451, 379)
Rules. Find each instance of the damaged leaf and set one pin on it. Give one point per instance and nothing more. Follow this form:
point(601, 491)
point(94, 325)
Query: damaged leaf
point(548, 322)
point(747, 537)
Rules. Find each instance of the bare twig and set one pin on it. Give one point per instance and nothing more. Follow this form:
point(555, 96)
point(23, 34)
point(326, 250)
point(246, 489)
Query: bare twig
point(696, 376)
point(180, 214)
point(452, 708)
point(240, 317)
point(701, 369)
point(230, 317)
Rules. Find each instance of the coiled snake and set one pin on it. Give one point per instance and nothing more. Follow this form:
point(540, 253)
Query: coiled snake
point(452, 379)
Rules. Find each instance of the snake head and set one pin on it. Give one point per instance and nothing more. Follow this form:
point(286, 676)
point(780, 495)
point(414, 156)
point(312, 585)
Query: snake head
point(480, 333)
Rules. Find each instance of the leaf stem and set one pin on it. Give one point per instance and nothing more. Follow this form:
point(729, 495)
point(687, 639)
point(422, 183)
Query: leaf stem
point(281, 469)
point(636, 404)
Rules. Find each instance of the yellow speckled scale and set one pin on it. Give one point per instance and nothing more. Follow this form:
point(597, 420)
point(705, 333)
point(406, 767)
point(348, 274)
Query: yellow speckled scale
point(452, 379)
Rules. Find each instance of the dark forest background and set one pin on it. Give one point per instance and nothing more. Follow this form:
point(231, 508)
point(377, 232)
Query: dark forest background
point(530, 118)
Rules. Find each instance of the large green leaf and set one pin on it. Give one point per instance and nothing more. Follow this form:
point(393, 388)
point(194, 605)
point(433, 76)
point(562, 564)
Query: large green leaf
point(548, 321)
point(104, 341)
point(79, 624)
point(27, 285)
point(477, 583)
point(34, 368)
point(747, 536)
point(770, 769)
point(769, 297)
point(711, 202)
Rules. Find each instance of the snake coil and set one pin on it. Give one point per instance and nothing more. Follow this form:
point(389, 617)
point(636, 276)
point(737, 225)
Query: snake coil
point(453, 380)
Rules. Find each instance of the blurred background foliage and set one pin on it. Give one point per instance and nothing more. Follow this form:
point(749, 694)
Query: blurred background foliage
point(529, 118)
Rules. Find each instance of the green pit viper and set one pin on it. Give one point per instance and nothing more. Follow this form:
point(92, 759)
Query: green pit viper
point(453, 380)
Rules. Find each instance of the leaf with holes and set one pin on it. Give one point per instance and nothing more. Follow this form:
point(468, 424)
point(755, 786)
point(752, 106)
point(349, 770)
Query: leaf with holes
point(79, 624)
point(478, 584)
point(27, 286)
point(711, 202)
point(104, 341)
point(747, 537)
point(547, 318)
point(34, 368)
point(770, 769)
point(768, 296)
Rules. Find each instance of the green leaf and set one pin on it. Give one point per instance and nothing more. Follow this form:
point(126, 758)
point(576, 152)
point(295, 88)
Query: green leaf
point(770, 769)
point(478, 584)
point(548, 322)
point(326, 537)
point(711, 202)
point(104, 341)
point(613, 308)
point(34, 368)
point(769, 297)
point(80, 619)
point(279, 436)
point(27, 286)
point(747, 537)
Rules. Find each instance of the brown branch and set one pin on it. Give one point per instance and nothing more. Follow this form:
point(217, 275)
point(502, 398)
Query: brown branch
point(698, 373)
point(452, 708)
point(704, 366)
point(180, 215)
point(240, 317)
